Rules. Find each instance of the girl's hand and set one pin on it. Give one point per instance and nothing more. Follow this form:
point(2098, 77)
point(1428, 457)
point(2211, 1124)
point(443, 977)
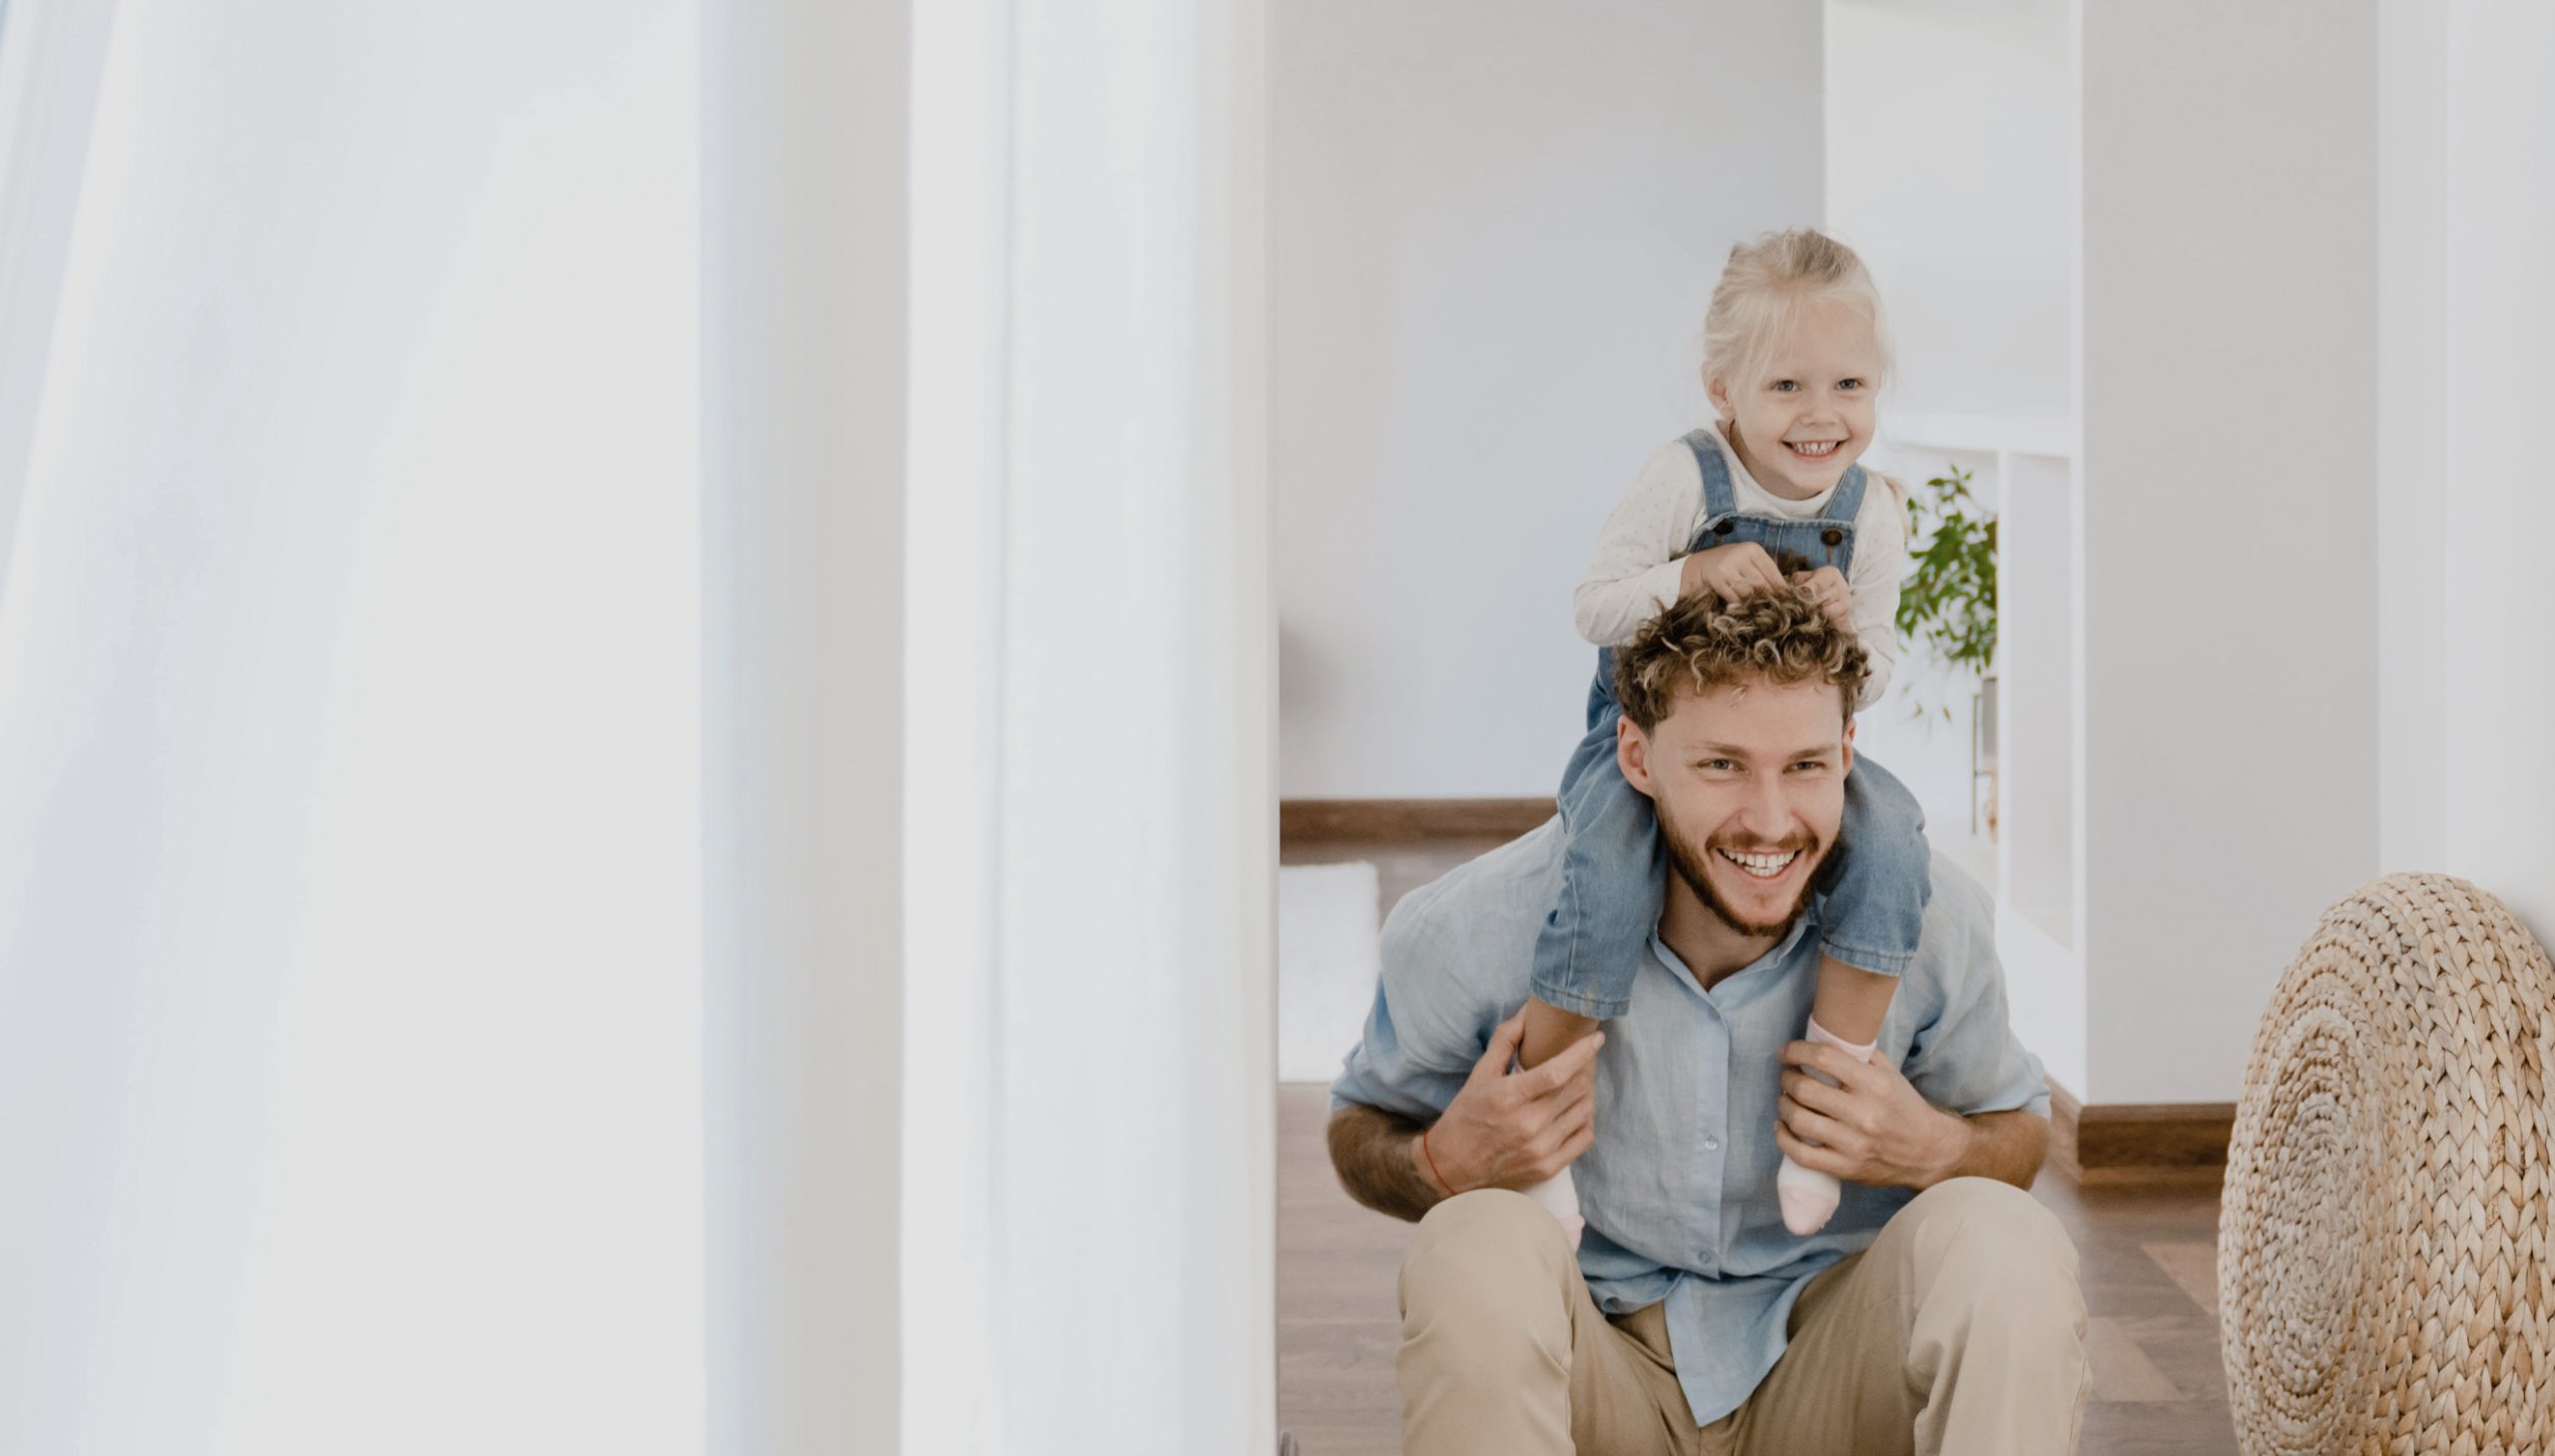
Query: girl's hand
point(1828, 585)
point(1731, 573)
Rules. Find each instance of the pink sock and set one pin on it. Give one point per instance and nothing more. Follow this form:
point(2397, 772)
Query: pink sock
point(1861, 1052)
point(1808, 1198)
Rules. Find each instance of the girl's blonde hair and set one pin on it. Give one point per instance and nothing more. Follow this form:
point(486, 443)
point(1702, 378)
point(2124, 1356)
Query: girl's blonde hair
point(1763, 288)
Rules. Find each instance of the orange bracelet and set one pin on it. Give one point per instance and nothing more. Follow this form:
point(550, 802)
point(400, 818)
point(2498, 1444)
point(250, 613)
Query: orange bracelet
point(1432, 1161)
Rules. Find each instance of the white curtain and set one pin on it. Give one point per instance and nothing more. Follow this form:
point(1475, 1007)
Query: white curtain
point(349, 909)
point(1088, 1233)
point(51, 55)
point(434, 1017)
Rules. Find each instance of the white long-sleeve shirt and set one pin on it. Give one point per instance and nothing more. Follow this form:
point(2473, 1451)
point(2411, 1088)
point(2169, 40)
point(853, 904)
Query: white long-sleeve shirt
point(1641, 552)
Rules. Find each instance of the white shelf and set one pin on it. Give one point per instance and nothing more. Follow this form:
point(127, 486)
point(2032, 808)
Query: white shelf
point(1987, 434)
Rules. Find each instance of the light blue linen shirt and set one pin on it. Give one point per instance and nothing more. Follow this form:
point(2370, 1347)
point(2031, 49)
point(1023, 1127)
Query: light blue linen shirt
point(1679, 1186)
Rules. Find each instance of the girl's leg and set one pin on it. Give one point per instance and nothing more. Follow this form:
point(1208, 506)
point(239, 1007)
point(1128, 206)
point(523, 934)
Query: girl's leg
point(1872, 916)
point(1613, 875)
point(1850, 1002)
point(1548, 1031)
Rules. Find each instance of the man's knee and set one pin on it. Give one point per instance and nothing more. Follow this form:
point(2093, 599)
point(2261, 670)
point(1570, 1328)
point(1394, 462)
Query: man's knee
point(1489, 1252)
point(1486, 1305)
point(1494, 1227)
point(1990, 1243)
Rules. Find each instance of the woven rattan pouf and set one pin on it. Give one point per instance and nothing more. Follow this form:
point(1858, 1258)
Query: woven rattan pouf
point(2386, 1276)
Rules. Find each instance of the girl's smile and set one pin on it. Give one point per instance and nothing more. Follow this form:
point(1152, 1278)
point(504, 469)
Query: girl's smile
point(1804, 414)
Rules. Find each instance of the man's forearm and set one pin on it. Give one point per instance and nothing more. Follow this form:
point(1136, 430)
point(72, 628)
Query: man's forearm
point(2007, 1146)
point(1371, 1152)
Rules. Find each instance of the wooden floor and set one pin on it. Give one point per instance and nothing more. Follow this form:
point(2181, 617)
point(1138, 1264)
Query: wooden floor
point(2147, 1252)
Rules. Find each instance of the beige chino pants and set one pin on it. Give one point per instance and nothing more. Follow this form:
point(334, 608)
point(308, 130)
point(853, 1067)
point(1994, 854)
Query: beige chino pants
point(1961, 1329)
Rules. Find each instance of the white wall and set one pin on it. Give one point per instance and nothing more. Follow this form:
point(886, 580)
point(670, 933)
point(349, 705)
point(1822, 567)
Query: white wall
point(2231, 498)
point(1492, 232)
point(2498, 510)
point(2412, 441)
point(349, 986)
point(1951, 162)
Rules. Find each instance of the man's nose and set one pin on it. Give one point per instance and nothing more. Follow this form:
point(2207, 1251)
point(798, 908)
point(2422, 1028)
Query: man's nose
point(1767, 814)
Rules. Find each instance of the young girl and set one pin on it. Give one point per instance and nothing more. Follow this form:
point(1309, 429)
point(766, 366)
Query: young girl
point(1792, 355)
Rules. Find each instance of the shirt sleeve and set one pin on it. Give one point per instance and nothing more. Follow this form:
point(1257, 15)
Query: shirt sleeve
point(1880, 565)
point(1427, 1027)
point(1633, 575)
point(1968, 1059)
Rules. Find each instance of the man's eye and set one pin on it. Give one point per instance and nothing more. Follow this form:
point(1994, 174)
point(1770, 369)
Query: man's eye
point(1813, 765)
point(1719, 766)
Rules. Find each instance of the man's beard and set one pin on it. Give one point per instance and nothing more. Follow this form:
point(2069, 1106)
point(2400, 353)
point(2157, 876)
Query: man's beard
point(1695, 871)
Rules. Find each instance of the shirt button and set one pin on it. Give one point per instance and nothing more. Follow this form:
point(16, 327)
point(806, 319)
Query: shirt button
point(1712, 1145)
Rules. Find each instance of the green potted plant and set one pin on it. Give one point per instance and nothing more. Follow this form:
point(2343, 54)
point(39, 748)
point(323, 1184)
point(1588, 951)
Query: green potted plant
point(1947, 604)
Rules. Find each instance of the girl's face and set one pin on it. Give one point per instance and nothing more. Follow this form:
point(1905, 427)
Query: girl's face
point(1809, 414)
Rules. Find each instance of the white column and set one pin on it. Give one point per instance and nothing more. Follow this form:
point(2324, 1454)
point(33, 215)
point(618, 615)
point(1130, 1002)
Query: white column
point(2231, 487)
point(803, 377)
point(2497, 445)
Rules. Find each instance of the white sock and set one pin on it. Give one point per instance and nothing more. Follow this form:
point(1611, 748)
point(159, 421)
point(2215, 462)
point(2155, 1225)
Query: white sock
point(1560, 1198)
point(1809, 1197)
point(1557, 1195)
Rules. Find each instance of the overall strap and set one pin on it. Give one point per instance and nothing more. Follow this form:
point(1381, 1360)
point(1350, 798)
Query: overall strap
point(1719, 499)
point(1847, 503)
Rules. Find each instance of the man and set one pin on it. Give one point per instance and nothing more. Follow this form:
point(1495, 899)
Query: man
point(1937, 1312)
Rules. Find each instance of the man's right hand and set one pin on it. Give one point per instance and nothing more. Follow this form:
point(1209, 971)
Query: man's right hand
point(1514, 1130)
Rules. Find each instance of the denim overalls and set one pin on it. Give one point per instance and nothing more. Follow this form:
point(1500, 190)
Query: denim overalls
point(1872, 890)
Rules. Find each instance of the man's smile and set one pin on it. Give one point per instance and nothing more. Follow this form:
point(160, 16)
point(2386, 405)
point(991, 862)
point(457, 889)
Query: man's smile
point(1764, 867)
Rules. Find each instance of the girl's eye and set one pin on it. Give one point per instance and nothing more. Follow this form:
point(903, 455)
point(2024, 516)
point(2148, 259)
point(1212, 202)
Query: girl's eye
point(1850, 385)
point(1786, 386)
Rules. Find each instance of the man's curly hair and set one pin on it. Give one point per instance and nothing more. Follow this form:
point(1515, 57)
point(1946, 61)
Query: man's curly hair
point(1701, 642)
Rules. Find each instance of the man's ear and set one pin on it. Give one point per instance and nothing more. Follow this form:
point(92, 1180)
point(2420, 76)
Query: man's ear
point(1848, 753)
point(1632, 755)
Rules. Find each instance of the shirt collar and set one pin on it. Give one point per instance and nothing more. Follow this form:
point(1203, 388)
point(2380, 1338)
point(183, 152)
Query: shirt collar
point(1779, 952)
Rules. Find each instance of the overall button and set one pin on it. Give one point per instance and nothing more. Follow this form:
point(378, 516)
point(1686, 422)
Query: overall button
point(1725, 528)
point(1833, 536)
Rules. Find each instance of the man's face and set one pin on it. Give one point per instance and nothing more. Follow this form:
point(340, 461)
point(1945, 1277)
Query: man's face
point(1750, 785)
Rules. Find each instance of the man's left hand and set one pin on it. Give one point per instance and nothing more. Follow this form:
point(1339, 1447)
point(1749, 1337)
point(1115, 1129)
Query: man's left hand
point(1872, 1128)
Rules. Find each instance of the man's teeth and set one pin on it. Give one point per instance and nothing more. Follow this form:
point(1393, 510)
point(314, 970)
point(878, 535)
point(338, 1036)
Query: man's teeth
point(1815, 447)
point(1763, 866)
